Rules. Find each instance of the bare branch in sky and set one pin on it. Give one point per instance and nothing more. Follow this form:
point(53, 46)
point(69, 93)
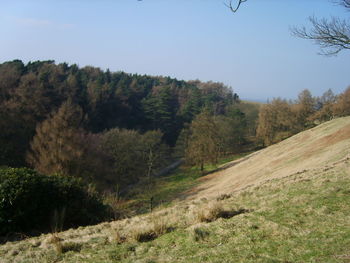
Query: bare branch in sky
point(234, 5)
point(331, 35)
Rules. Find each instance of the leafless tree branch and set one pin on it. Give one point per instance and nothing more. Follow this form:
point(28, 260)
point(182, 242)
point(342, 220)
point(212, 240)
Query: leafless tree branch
point(234, 7)
point(331, 35)
point(345, 3)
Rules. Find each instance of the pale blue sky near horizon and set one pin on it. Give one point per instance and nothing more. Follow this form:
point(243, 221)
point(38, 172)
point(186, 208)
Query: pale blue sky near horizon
point(252, 51)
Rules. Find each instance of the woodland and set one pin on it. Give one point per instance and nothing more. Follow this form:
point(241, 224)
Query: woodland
point(83, 145)
point(95, 132)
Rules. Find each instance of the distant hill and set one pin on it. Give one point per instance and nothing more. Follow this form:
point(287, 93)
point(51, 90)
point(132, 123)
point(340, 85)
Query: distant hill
point(261, 101)
point(289, 202)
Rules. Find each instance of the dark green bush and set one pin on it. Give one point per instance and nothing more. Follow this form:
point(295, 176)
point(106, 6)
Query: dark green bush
point(30, 201)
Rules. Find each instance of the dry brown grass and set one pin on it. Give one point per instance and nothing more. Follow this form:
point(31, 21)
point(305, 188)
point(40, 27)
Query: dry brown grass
point(118, 236)
point(148, 231)
point(214, 210)
point(209, 212)
point(117, 205)
point(317, 147)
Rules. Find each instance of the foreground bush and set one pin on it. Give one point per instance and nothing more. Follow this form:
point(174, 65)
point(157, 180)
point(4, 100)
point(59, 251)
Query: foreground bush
point(31, 202)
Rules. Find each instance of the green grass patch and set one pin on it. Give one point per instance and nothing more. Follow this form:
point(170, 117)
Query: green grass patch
point(166, 189)
point(302, 221)
point(300, 218)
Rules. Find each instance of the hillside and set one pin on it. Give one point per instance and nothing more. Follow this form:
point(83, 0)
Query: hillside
point(287, 203)
point(321, 146)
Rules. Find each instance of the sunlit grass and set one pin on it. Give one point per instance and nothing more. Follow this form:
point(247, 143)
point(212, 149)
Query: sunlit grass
point(168, 188)
point(300, 218)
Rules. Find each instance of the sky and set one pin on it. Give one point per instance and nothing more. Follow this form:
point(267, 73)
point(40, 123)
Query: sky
point(252, 51)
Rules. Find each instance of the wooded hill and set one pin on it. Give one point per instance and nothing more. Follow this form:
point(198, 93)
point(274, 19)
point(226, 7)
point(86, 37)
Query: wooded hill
point(106, 133)
point(53, 115)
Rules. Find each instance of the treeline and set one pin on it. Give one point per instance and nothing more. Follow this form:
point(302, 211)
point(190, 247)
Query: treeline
point(280, 118)
point(110, 128)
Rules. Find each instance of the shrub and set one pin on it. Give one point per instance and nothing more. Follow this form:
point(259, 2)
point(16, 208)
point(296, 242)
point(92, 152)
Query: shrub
point(29, 201)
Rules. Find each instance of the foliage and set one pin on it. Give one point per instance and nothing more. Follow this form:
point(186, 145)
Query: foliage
point(132, 156)
point(280, 119)
point(231, 131)
point(325, 106)
point(275, 121)
point(30, 92)
point(210, 137)
point(304, 108)
point(203, 146)
point(125, 151)
point(342, 105)
point(55, 147)
point(28, 201)
point(182, 142)
point(250, 112)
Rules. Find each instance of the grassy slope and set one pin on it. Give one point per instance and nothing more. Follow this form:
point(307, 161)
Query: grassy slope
point(300, 216)
point(317, 147)
point(170, 188)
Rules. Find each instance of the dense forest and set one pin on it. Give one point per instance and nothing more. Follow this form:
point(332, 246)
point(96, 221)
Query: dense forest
point(113, 128)
point(107, 128)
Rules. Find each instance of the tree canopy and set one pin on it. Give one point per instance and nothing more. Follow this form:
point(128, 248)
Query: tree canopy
point(31, 93)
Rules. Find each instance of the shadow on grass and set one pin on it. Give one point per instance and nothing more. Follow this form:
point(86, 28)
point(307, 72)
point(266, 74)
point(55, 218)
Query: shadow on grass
point(151, 235)
point(228, 214)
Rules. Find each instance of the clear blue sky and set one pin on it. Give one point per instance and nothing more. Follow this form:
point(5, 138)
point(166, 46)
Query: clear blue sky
point(252, 51)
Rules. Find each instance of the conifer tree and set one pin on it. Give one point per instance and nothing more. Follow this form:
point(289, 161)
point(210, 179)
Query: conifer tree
point(56, 146)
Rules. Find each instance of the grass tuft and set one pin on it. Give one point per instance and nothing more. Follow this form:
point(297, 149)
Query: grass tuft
point(216, 210)
point(158, 227)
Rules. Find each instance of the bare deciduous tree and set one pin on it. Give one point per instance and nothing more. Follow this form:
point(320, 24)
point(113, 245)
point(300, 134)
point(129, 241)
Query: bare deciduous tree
point(234, 5)
point(345, 3)
point(331, 35)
